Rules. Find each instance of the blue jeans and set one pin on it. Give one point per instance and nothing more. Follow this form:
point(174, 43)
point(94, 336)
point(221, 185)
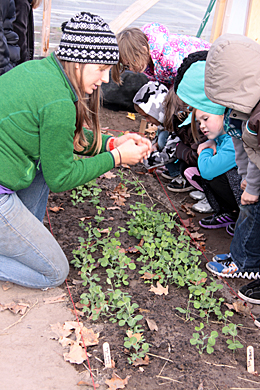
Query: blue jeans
point(245, 245)
point(29, 254)
point(173, 168)
point(162, 138)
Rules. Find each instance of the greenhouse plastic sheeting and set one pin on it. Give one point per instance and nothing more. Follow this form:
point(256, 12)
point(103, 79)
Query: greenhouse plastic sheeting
point(180, 16)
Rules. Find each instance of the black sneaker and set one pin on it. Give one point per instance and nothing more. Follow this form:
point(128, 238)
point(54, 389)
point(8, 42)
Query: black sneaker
point(166, 174)
point(216, 221)
point(230, 229)
point(179, 184)
point(251, 292)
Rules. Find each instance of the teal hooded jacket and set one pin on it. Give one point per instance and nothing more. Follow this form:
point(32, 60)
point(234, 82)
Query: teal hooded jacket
point(37, 123)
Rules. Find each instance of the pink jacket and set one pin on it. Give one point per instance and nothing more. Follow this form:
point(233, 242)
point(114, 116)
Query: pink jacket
point(168, 51)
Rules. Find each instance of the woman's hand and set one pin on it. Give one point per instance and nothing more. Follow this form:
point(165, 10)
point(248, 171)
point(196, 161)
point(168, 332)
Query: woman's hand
point(208, 144)
point(247, 198)
point(131, 152)
point(137, 139)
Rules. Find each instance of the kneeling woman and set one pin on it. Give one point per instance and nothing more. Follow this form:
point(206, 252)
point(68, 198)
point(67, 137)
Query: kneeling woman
point(44, 105)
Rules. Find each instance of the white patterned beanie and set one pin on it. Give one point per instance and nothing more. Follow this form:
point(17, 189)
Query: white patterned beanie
point(150, 99)
point(87, 38)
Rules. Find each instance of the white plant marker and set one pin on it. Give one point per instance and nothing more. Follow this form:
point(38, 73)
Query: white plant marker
point(250, 359)
point(107, 357)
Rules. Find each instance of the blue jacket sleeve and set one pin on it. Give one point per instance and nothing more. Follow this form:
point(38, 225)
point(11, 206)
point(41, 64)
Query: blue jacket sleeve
point(212, 166)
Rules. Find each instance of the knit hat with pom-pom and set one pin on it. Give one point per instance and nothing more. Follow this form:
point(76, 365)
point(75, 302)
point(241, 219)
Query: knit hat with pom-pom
point(87, 38)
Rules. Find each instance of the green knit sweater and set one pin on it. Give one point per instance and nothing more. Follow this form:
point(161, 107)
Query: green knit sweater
point(37, 122)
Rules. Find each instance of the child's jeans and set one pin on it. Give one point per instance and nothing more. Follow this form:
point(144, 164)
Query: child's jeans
point(162, 138)
point(245, 245)
point(29, 254)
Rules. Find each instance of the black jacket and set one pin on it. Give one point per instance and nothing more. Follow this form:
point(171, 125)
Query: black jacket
point(9, 49)
point(24, 27)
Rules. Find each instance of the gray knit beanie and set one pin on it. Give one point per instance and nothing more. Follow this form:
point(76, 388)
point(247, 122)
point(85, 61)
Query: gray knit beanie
point(150, 98)
point(87, 38)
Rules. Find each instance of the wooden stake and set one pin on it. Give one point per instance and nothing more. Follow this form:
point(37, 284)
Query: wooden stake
point(217, 25)
point(46, 22)
point(253, 27)
point(107, 357)
point(132, 13)
point(142, 126)
point(250, 359)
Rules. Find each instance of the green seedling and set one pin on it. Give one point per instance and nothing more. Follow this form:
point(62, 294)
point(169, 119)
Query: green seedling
point(231, 329)
point(203, 341)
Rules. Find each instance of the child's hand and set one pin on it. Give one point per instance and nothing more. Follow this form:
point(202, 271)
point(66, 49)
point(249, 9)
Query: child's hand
point(208, 144)
point(247, 198)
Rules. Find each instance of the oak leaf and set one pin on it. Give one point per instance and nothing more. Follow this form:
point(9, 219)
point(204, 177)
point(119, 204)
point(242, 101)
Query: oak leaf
point(90, 338)
point(159, 290)
point(108, 175)
point(59, 330)
point(116, 382)
point(147, 276)
point(76, 354)
point(56, 209)
point(141, 362)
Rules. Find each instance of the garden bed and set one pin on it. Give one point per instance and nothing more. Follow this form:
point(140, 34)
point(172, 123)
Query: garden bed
point(173, 362)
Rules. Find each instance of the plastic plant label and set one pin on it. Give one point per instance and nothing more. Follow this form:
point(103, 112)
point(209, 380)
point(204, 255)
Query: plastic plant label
point(107, 357)
point(250, 359)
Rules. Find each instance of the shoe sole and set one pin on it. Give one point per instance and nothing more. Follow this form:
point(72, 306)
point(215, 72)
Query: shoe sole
point(231, 234)
point(180, 189)
point(247, 299)
point(202, 211)
point(167, 177)
point(214, 226)
point(195, 198)
point(243, 275)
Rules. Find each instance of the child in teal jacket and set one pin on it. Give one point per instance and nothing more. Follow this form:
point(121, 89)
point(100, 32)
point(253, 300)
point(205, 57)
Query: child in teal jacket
point(43, 107)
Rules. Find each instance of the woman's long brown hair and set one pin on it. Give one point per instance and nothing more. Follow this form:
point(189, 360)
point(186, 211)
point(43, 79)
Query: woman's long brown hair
point(87, 108)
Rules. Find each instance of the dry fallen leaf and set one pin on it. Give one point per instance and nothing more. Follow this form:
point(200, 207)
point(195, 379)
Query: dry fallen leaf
point(16, 308)
point(108, 175)
point(113, 208)
point(59, 330)
point(7, 285)
point(201, 386)
point(125, 166)
point(203, 280)
point(55, 209)
point(147, 276)
point(159, 290)
point(197, 236)
point(90, 338)
point(141, 362)
point(87, 382)
point(83, 218)
point(136, 335)
point(152, 324)
point(60, 298)
point(131, 115)
point(241, 308)
point(76, 354)
point(116, 382)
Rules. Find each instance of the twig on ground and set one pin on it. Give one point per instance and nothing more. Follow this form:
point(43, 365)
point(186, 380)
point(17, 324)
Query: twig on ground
point(248, 380)
point(89, 369)
point(20, 319)
point(218, 365)
point(162, 368)
point(169, 379)
point(160, 357)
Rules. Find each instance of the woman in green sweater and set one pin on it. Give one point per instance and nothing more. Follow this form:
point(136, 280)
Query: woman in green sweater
point(44, 105)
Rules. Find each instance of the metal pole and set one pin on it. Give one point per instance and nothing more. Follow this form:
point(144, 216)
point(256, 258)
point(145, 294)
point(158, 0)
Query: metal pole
point(205, 18)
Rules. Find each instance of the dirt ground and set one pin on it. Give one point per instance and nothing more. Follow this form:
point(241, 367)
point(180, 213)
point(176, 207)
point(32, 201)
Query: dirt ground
point(173, 362)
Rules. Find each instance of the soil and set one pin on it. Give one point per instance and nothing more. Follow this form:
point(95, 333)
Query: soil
point(185, 368)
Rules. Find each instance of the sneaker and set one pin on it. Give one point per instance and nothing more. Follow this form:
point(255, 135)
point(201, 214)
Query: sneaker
point(231, 228)
point(179, 184)
point(229, 269)
point(166, 174)
point(222, 257)
point(251, 293)
point(197, 195)
point(202, 206)
point(216, 221)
